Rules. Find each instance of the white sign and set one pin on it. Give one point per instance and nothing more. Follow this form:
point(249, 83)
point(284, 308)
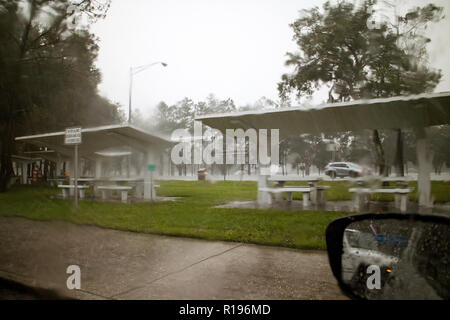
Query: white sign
point(73, 136)
point(332, 147)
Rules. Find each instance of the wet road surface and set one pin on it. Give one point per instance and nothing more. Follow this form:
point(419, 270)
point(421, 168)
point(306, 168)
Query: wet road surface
point(127, 265)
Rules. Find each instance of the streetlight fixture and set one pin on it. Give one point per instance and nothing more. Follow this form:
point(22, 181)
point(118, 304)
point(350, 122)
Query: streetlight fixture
point(134, 71)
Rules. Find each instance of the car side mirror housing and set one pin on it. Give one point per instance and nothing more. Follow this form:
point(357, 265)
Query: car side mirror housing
point(391, 256)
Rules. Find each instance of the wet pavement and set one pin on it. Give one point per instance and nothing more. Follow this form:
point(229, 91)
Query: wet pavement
point(343, 206)
point(12, 290)
point(127, 265)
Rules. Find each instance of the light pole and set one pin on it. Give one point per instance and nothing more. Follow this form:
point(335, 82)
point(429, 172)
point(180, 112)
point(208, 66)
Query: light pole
point(134, 71)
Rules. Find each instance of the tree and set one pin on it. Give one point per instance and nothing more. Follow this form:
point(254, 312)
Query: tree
point(340, 49)
point(439, 138)
point(48, 78)
point(409, 28)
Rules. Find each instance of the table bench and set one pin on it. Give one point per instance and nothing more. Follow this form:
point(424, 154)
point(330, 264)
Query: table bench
point(289, 191)
point(401, 196)
point(139, 190)
point(69, 189)
point(54, 182)
point(105, 190)
point(316, 195)
point(320, 195)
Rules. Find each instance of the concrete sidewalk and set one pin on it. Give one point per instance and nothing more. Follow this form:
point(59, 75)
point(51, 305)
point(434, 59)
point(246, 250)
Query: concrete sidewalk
point(126, 265)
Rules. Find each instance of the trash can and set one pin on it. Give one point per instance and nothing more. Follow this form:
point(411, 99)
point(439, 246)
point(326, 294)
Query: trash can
point(201, 174)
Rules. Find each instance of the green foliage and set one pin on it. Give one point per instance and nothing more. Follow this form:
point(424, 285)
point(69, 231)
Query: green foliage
point(439, 140)
point(167, 118)
point(48, 79)
point(191, 216)
point(182, 114)
point(338, 49)
point(194, 214)
point(309, 150)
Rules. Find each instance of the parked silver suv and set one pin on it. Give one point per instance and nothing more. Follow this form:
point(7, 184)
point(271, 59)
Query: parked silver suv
point(343, 169)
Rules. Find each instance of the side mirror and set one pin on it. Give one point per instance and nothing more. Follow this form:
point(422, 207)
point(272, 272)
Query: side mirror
point(391, 256)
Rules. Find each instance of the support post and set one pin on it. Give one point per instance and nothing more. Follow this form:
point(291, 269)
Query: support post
point(24, 172)
point(264, 197)
point(59, 165)
point(425, 161)
point(98, 168)
point(98, 175)
point(149, 192)
point(305, 197)
point(313, 194)
point(76, 175)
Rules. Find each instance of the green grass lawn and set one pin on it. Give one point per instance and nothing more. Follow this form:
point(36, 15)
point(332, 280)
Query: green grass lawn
point(193, 215)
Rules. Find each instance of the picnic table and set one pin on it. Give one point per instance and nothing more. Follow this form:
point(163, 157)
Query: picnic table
point(399, 181)
point(69, 189)
point(103, 187)
point(371, 185)
point(56, 181)
point(363, 194)
point(83, 181)
point(120, 184)
point(289, 193)
point(107, 190)
point(137, 183)
point(316, 191)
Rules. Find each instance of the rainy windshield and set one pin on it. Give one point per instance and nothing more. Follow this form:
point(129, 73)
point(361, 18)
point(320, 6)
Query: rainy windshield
point(174, 149)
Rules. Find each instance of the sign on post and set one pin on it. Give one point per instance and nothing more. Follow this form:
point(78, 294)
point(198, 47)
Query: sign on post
point(151, 168)
point(73, 136)
point(331, 147)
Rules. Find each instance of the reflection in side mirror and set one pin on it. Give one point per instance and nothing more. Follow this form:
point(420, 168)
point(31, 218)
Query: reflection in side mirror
point(391, 256)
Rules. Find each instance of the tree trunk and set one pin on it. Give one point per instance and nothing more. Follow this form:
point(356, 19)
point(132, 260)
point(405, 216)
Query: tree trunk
point(6, 151)
point(381, 162)
point(224, 166)
point(10, 110)
point(399, 154)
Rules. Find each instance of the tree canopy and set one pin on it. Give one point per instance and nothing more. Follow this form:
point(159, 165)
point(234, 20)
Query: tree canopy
point(342, 49)
point(48, 78)
point(339, 48)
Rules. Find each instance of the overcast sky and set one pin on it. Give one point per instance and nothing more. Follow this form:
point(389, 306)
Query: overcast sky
point(231, 48)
